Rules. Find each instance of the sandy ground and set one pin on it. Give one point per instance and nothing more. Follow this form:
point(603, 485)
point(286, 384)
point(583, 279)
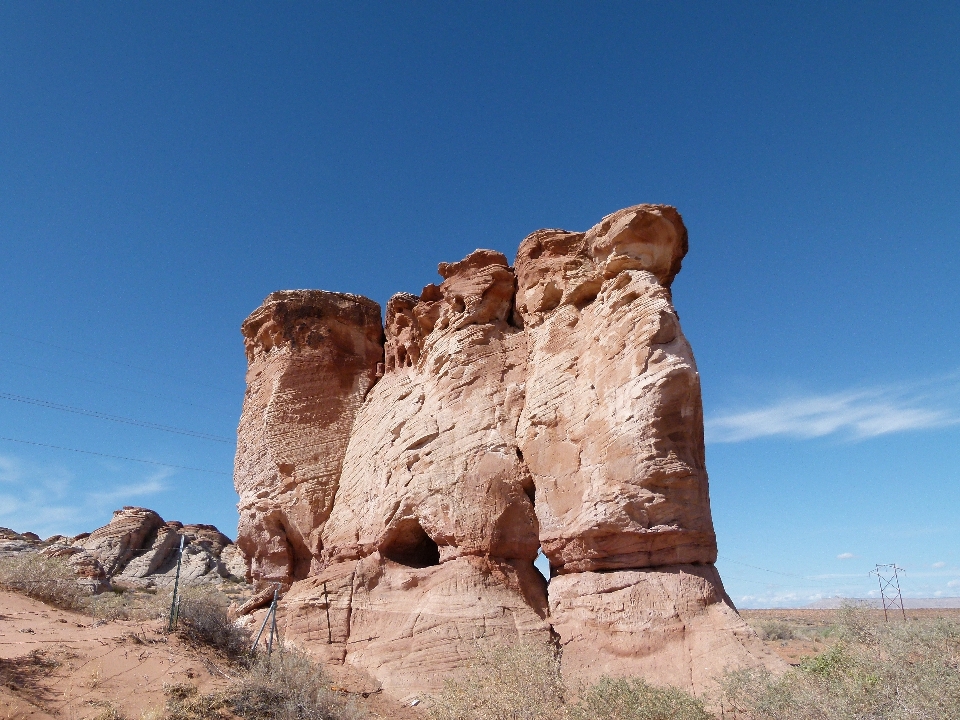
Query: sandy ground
point(64, 665)
point(55, 663)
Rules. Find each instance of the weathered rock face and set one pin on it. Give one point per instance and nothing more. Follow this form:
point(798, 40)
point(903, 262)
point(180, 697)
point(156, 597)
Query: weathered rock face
point(671, 625)
point(612, 426)
point(432, 470)
point(433, 533)
point(554, 404)
point(411, 627)
point(312, 357)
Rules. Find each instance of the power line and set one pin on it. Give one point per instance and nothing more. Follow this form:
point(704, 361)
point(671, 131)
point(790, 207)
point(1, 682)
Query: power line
point(757, 567)
point(109, 385)
point(112, 418)
point(777, 585)
point(116, 362)
point(115, 457)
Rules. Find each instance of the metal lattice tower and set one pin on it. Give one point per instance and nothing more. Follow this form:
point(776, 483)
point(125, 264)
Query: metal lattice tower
point(889, 588)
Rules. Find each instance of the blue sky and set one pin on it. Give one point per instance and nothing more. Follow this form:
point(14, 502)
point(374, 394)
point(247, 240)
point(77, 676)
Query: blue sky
point(163, 168)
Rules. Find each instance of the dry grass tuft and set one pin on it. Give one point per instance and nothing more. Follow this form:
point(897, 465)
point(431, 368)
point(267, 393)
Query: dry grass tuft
point(186, 702)
point(635, 699)
point(504, 682)
point(882, 671)
point(203, 620)
point(522, 681)
point(109, 712)
point(288, 685)
point(776, 630)
point(50, 580)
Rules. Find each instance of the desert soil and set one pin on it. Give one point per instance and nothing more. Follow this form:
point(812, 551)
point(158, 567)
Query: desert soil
point(60, 665)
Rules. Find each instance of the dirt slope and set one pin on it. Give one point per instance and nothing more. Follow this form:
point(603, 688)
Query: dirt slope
point(55, 663)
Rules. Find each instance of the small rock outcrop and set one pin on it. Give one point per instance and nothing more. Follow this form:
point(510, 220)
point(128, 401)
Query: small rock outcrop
point(137, 548)
point(553, 404)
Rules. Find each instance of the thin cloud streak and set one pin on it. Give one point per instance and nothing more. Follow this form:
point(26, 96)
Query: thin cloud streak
point(857, 415)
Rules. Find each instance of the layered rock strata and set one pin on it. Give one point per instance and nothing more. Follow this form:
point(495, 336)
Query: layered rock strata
point(312, 357)
point(554, 404)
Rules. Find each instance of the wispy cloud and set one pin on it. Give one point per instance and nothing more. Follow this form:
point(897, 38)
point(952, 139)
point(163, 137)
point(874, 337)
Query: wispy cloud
point(856, 414)
point(844, 556)
point(48, 498)
point(121, 493)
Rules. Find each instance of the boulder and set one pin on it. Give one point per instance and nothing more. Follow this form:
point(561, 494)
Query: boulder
point(411, 628)
point(672, 625)
point(137, 548)
point(127, 534)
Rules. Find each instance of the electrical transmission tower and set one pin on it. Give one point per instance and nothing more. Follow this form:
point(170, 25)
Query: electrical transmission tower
point(889, 588)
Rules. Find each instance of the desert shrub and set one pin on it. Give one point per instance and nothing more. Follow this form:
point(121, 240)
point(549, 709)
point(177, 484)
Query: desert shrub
point(776, 630)
point(203, 620)
point(635, 699)
point(880, 671)
point(109, 712)
point(288, 685)
point(48, 579)
point(186, 702)
point(504, 682)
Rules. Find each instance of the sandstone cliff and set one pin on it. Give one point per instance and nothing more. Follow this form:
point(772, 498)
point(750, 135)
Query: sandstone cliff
point(554, 404)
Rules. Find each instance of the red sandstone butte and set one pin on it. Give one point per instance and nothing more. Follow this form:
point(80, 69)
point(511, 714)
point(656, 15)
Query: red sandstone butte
point(554, 404)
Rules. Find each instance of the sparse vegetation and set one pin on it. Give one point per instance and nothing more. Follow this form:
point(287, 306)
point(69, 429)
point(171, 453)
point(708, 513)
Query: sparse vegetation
point(126, 605)
point(203, 620)
point(635, 699)
point(288, 685)
point(876, 670)
point(48, 579)
point(522, 681)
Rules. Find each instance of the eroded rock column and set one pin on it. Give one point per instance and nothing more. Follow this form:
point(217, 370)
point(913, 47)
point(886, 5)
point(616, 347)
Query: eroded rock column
point(612, 432)
point(312, 358)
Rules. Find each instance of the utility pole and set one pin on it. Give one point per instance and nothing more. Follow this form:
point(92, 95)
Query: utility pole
point(889, 588)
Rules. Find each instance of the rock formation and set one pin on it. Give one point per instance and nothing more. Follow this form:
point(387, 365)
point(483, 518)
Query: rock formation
point(312, 357)
point(137, 548)
point(554, 404)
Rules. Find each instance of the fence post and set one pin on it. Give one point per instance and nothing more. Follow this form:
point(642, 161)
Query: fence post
point(174, 605)
point(273, 624)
